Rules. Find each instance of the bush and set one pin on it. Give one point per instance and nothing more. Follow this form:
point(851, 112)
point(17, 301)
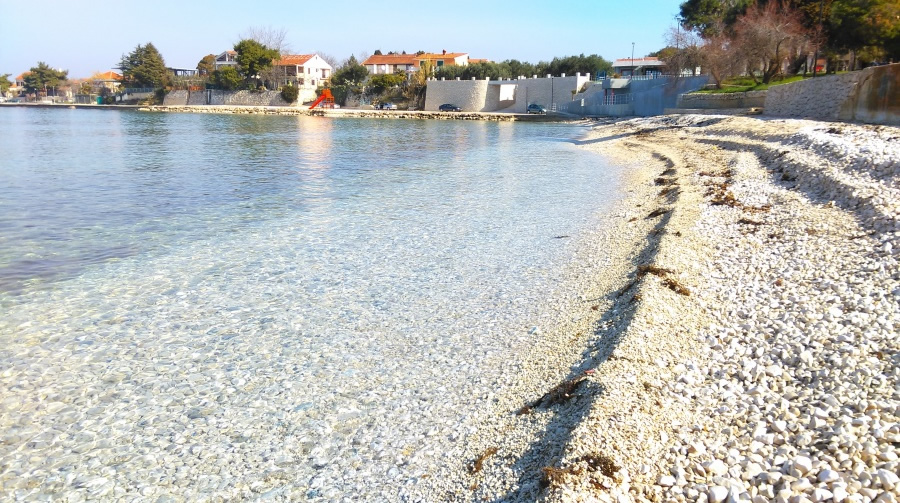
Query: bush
point(289, 93)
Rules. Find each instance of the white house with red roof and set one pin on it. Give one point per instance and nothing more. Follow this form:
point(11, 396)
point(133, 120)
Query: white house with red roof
point(386, 64)
point(303, 70)
point(380, 64)
point(443, 59)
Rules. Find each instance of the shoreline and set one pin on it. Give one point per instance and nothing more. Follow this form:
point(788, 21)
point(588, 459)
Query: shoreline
point(318, 112)
point(752, 354)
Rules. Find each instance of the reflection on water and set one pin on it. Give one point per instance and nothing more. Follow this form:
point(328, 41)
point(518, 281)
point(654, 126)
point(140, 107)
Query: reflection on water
point(81, 187)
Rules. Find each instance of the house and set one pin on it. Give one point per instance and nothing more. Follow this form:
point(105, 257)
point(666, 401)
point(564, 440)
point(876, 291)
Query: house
point(304, 70)
point(381, 64)
point(443, 59)
point(107, 80)
point(18, 86)
point(628, 67)
point(227, 58)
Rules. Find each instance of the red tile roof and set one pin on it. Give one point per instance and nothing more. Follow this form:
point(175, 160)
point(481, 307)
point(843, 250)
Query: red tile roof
point(449, 55)
point(293, 59)
point(391, 59)
point(110, 75)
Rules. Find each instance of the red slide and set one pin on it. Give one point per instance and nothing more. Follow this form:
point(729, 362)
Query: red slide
point(326, 95)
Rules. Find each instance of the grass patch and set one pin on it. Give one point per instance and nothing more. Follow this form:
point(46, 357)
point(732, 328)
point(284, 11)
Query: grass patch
point(745, 84)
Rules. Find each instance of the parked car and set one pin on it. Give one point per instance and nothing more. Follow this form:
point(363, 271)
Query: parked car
point(447, 107)
point(387, 106)
point(534, 108)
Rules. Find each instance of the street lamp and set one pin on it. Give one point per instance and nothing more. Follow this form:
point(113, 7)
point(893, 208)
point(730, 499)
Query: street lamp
point(632, 60)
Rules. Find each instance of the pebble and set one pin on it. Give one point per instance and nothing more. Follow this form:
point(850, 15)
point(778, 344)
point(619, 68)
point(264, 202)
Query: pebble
point(800, 389)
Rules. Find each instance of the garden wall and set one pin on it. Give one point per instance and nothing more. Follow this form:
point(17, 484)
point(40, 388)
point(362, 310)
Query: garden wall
point(871, 95)
point(752, 99)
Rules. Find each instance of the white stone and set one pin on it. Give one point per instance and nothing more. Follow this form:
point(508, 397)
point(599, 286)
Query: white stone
point(828, 476)
point(801, 465)
point(717, 494)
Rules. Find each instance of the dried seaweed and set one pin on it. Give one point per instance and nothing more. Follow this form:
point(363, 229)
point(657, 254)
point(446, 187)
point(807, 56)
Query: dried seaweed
point(478, 464)
point(554, 477)
point(601, 463)
point(561, 393)
point(666, 190)
point(657, 212)
point(652, 269)
point(676, 287)
point(747, 221)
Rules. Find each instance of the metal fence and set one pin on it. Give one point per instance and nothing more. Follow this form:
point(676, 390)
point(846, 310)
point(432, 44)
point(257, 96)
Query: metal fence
point(617, 99)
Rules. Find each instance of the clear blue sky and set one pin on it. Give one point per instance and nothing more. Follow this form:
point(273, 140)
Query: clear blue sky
point(84, 37)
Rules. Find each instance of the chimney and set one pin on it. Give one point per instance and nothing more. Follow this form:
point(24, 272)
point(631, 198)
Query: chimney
point(445, 52)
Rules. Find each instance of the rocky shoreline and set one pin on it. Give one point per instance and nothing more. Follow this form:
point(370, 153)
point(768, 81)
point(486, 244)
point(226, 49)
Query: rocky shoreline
point(346, 112)
point(752, 354)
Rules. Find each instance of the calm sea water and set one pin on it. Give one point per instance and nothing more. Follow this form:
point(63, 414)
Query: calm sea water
point(344, 277)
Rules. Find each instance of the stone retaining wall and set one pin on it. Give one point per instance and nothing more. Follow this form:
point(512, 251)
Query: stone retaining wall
point(248, 98)
point(871, 95)
point(752, 99)
point(197, 97)
point(176, 98)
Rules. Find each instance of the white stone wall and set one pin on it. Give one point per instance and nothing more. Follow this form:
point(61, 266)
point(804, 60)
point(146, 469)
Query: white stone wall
point(470, 95)
point(489, 96)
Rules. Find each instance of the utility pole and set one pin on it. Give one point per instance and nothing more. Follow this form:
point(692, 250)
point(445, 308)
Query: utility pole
point(632, 60)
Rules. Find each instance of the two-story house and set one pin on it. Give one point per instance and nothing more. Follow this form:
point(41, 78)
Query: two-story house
point(303, 70)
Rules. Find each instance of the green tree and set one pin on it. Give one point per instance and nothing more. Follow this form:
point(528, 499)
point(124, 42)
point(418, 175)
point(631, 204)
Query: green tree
point(519, 69)
point(254, 58)
point(227, 78)
point(5, 84)
point(381, 83)
point(290, 93)
point(709, 17)
point(855, 25)
point(207, 65)
point(144, 67)
point(42, 78)
point(351, 73)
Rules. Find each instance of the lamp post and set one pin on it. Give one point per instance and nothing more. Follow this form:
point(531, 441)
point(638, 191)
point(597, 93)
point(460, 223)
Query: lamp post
point(632, 60)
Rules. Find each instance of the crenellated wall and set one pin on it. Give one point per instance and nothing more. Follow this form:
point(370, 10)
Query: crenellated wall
point(512, 95)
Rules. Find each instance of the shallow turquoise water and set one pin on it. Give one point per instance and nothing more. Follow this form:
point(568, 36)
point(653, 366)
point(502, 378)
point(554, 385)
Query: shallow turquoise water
point(333, 293)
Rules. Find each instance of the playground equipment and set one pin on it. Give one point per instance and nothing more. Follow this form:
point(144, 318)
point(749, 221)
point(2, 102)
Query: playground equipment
point(326, 99)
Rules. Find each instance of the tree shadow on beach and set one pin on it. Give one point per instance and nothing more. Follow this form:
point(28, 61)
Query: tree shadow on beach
point(806, 179)
point(548, 449)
